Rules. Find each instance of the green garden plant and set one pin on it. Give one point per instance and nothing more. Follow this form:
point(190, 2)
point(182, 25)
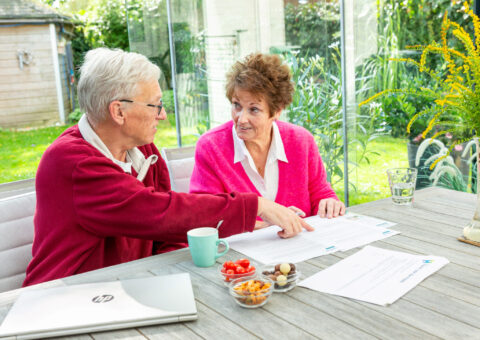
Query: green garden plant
point(317, 106)
point(416, 21)
point(107, 24)
point(75, 115)
point(313, 27)
point(454, 98)
point(399, 24)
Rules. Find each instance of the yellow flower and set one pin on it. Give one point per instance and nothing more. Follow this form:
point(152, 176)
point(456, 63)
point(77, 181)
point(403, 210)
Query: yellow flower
point(438, 134)
point(455, 95)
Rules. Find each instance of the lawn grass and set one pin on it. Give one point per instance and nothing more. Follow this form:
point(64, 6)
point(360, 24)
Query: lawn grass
point(20, 153)
point(370, 180)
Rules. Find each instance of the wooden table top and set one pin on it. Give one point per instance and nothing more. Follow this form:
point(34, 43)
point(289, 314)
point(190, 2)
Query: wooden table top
point(445, 305)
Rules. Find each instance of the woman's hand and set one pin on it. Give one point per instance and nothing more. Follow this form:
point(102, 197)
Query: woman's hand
point(285, 218)
point(330, 207)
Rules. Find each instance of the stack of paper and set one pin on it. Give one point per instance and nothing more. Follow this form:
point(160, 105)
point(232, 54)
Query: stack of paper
point(330, 235)
point(375, 275)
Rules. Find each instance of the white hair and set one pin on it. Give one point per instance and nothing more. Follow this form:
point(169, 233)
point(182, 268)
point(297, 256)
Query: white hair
point(111, 74)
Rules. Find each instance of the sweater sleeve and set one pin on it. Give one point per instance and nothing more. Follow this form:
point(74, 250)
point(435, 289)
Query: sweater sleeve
point(204, 179)
point(108, 202)
point(318, 187)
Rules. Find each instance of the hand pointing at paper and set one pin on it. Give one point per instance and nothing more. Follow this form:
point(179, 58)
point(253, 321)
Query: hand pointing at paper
point(285, 218)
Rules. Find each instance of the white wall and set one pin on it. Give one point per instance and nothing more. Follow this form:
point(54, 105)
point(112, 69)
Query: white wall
point(233, 30)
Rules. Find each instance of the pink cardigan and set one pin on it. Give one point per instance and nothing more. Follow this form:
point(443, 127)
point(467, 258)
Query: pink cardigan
point(302, 181)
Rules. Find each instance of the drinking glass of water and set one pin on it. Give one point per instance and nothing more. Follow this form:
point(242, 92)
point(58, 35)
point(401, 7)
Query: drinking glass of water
point(402, 184)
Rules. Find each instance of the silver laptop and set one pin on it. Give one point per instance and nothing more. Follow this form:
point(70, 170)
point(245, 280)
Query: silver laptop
point(100, 306)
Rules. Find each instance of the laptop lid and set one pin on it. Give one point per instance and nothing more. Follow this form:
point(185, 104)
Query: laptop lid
point(100, 306)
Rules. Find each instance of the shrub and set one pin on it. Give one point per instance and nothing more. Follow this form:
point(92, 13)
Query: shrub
point(75, 116)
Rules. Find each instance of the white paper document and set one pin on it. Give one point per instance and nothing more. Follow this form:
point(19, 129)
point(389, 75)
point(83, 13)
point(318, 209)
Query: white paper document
point(373, 221)
point(375, 275)
point(330, 235)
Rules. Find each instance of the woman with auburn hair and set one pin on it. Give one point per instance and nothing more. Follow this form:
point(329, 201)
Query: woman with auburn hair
point(254, 152)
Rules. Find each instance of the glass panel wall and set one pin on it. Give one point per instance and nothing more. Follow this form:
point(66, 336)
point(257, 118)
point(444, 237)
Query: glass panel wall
point(312, 30)
point(210, 35)
point(234, 29)
point(385, 38)
point(148, 35)
point(148, 31)
point(305, 33)
point(190, 77)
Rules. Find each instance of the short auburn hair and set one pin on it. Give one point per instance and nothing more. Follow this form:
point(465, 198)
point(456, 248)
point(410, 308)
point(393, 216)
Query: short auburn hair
point(262, 75)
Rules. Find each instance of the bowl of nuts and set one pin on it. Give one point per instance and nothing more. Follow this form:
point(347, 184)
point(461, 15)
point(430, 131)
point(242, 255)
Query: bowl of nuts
point(251, 292)
point(234, 270)
point(284, 276)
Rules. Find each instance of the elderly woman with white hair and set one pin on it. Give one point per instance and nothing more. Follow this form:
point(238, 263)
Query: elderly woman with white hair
point(103, 191)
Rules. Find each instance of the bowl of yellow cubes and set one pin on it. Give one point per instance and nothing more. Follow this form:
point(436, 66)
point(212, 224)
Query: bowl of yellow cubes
point(251, 292)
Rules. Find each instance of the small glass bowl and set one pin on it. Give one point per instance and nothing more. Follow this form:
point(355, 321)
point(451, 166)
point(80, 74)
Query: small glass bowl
point(283, 286)
point(251, 296)
point(228, 278)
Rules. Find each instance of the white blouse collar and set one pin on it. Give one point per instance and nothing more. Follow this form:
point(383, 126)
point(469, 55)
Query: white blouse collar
point(277, 150)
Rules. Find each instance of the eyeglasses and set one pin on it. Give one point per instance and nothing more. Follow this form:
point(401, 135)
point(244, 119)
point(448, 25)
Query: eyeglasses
point(159, 107)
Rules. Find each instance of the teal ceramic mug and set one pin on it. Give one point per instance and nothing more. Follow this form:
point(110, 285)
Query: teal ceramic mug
point(203, 244)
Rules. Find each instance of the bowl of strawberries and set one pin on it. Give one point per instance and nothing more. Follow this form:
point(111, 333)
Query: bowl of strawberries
point(232, 270)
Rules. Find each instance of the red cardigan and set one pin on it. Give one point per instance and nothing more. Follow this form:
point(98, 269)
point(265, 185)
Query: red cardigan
point(302, 181)
point(90, 214)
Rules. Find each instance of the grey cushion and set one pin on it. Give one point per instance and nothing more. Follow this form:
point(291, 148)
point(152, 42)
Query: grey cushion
point(16, 237)
point(180, 173)
point(180, 163)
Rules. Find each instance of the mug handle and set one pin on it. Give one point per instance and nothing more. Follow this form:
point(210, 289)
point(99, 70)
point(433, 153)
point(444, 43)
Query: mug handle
point(225, 243)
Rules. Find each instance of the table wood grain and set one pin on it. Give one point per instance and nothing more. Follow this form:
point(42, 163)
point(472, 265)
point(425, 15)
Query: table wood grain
point(446, 305)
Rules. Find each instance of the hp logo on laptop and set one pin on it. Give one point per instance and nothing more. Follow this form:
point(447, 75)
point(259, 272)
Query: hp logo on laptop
point(102, 298)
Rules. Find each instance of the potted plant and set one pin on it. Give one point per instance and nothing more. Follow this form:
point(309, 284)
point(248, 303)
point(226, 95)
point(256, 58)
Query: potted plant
point(453, 92)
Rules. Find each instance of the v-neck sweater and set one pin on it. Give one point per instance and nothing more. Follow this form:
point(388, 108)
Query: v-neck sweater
point(302, 181)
